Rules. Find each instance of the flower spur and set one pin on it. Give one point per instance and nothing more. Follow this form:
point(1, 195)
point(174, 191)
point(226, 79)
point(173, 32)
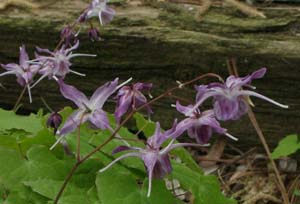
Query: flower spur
point(90, 110)
point(229, 103)
point(57, 64)
point(155, 158)
point(24, 71)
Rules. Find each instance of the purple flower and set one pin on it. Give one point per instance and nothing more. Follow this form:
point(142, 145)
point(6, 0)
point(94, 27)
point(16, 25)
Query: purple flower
point(200, 126)
point(68, 35)
point(130, 97)
point(57, 64)
point(24, 71)
point(94, 34)
point(99, 9)
point(88, 109)
point(155, 158)
point(229, 103)
point(54, 121)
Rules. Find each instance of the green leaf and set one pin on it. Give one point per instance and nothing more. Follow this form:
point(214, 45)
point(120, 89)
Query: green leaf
point(147, 126)
point(49, 188)
point(205, 189)
point(9, 120)
point(119, 185)
point(287, 146)
point(297, 192)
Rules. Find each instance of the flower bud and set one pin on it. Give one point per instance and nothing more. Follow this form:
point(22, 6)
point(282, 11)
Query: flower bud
point(54, 121)
point(67, 34)
point(94, 34)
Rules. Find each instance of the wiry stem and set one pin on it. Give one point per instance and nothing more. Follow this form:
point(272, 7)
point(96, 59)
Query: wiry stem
point(19, 99)
point(112, 136)
point(266, 147)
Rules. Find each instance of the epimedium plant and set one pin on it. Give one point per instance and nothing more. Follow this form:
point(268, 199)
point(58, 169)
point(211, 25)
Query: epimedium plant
point(92, 157)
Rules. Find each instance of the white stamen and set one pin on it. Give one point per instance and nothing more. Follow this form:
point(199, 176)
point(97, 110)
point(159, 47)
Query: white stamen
point(81, 55)
point(57, 141)
point(119, 137)
point(251, 93)
point(131, 154)
point(150, 183)
point(55, 78)
point(173, 105)
point(180, 84)
point(231, 137)
point(125, 82)
point(166, 149)
point(173, 146)
point(7, 73)
point(40, 79)
point(100, 18)
point(29, 93)
point(77, 73)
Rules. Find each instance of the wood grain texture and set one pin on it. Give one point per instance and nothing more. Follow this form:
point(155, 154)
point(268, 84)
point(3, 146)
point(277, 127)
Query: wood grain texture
point(162, 43)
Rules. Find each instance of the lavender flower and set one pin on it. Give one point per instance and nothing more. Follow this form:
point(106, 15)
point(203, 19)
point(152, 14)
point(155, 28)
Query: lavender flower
point(94, 34)
point(68, 35)
point(58, 64)
point(130, 97)
point(229, 103)
point(88, 110)
point(24, 71)
point(155, 158)
point(99, 9)
point(200, 126)
point(54, 121)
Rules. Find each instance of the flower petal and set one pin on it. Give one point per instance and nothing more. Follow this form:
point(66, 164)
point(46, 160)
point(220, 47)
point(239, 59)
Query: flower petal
point(71, 93)
point(72, 122)
point(99, 119)
point(225, 109)
point(23, 56)
point(102, 93)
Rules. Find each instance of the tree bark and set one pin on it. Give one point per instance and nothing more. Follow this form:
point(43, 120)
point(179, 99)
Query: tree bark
point(161, 43)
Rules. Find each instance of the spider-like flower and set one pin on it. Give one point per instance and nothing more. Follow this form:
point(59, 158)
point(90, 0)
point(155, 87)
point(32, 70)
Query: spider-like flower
point(88, 109)
point(229, 103)
point(155, 158)
point(99, 9)
point(200, 125)
point(57, 64)
point(130, 98)
point(24, 71)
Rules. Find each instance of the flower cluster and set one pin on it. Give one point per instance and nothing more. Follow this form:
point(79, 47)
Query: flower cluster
point(229, 100)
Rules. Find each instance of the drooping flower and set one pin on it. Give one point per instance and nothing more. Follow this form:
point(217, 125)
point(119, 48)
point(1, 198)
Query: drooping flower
point(229, 103)
point(200, 125)
point(54, 121)
point(130, 98)
point(24, 71)
point(98, 8)
point(58, 63)
point(90, 110)
point(68, 35)
point(94, 34)
point(154, 157)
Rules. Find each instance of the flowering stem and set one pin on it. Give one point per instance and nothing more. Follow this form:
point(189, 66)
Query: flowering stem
point(129, 116)
point(267, 149)
point(19, 99)
point(264, 143)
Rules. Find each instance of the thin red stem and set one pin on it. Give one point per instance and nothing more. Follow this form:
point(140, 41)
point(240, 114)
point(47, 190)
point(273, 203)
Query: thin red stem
point(122, 124)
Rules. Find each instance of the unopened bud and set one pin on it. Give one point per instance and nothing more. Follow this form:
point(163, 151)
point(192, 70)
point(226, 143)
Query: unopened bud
point(94, 34)
point(54, 121)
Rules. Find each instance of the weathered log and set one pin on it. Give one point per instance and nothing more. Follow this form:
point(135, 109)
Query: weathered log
point(162, 43)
